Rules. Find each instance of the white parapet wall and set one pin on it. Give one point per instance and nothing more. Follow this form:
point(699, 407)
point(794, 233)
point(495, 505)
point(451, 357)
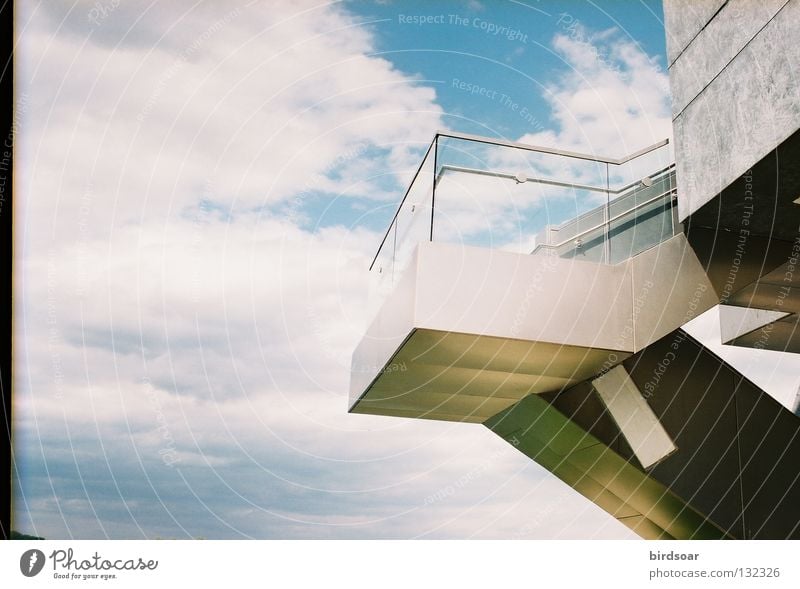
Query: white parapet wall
point(469, 331)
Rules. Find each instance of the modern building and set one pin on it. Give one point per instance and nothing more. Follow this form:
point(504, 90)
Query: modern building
point(543, 293)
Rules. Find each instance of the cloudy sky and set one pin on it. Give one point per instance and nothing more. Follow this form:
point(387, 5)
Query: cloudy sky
point(202, 188)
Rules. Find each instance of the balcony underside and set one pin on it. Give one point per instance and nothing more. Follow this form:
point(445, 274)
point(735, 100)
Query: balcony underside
point(466, 377)
point(467, 332)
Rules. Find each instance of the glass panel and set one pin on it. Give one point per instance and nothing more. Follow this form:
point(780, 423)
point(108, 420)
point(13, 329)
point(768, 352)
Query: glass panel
point(411, 224)
point(644, 166)
point(511, 198)
point(641, 229)
point(589, 247)
point(414, 217)
point(382, 272)
point(640, 193)
point(523, 200)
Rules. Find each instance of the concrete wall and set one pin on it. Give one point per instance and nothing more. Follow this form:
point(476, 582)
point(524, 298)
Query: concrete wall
point(734, 71)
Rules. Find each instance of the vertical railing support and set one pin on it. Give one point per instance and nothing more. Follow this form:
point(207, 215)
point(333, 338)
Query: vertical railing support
point(607, 221)
point(433, 179)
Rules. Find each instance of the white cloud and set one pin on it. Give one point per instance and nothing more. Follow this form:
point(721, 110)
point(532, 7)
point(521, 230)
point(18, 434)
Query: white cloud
point(183, 353)
point(147, 310)
point(237, 106)
point(614, 100)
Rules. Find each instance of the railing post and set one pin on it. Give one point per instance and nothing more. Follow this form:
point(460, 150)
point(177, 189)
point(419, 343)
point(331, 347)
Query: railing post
point(607, 221)
point(433, 178)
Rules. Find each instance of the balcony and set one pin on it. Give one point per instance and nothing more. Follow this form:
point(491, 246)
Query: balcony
point(510, 269)
point(482, 192)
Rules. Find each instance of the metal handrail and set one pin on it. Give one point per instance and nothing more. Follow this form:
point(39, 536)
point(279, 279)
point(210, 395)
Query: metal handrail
point(513, 177)
point(513, 144)
point(605, 223)
point(657, 176)
point(510, 176)
point(551, 150)
point(397, 212)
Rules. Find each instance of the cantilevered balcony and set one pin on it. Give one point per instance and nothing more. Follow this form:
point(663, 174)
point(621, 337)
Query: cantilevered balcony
point(511, 269)
point(495, 194)
point(542, 294)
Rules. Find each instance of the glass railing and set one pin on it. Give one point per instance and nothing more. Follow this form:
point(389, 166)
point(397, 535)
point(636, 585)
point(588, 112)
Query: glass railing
point(488, 193)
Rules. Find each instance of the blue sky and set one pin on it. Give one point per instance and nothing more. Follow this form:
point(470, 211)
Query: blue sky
point(504, 48)
point(202, 190)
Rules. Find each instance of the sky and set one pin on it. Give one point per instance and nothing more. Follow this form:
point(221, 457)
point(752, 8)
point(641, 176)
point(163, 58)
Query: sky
point(202, 189)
